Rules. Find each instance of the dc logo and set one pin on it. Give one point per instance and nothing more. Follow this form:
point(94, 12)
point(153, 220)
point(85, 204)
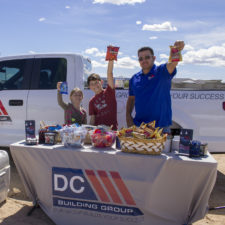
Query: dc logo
point(71, 183)
point(90, 185)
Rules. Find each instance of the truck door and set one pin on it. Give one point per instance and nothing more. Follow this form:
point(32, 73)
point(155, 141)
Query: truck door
point(42, 100)
point(15, 76)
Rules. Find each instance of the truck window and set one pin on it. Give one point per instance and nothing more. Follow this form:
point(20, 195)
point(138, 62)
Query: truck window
point(13, 74)
point(52, 70)
point(87, 70)
point(48, 71)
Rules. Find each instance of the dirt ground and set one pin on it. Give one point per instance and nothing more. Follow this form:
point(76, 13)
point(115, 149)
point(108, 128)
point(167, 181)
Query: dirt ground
point(17, 205)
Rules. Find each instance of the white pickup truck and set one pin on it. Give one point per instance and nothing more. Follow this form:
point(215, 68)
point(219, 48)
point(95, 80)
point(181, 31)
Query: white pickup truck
point(28, 92)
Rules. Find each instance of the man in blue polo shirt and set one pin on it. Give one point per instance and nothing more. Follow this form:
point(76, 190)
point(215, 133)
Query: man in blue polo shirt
point(149, 90)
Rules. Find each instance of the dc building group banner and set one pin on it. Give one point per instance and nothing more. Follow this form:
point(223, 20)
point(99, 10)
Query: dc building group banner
point(90, 186)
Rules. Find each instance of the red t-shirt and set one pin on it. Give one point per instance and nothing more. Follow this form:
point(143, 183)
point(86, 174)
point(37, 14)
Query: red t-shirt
point(104, 107)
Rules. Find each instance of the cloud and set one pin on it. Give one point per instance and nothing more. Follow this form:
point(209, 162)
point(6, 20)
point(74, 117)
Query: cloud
point(126, 63)
point(153, 38)
point(122, 63)
point(100, 54)
point(163, 56)
point(213, 56)
point(91, 51)
point(119, 2)
point(95, 52)
point(42, 19)
point(207, 39)
point(166, 26)
point(67, 7)
point(188, 48)
point(157, 63)
point(96, 64)
point(138, 22)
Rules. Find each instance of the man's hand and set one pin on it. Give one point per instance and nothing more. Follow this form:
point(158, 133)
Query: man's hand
point(179, 45)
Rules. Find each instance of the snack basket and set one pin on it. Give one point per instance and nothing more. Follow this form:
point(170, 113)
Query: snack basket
point(142, 146)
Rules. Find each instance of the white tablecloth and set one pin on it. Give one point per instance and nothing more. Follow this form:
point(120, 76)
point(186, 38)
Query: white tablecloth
point(94, 186)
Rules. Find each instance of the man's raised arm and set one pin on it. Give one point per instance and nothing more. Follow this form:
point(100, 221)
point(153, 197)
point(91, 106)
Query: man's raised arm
point(110, 74)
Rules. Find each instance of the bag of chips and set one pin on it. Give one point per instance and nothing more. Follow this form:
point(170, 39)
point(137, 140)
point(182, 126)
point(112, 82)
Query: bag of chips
point(64, 88)
point(175, 54)
point(112, 53)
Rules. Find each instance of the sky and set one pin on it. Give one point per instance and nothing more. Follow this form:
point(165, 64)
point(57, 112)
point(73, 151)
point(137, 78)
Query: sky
point(87, 27)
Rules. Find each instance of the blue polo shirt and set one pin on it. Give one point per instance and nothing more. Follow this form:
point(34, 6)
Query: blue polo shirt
point(152, 96)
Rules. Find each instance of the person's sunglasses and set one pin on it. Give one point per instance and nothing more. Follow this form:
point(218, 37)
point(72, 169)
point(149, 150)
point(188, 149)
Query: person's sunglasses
point(146, 57)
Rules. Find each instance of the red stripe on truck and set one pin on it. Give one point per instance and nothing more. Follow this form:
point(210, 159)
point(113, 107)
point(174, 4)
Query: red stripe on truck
point(3, 109)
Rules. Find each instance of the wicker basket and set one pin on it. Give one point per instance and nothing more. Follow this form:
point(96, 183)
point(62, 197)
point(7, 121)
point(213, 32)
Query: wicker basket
point(143, 146)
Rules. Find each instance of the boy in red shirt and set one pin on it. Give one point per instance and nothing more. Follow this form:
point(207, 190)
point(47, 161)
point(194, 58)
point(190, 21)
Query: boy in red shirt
point(103, 106)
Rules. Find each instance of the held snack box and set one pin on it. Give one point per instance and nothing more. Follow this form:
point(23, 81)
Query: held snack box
point(111, 53)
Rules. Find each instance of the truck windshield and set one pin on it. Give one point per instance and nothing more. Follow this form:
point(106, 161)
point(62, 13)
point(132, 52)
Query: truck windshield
point(87, 70)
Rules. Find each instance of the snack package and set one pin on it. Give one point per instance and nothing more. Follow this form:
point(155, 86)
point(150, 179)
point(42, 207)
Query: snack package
point(30, 128)
point(175, 54)
point(186, 136)
point(112, 53)
point(30, 132)
point(73, 136)
point(101, 138)
point(64, 88)
point(145, 131)
point(88, 128)
point(50, 138)
point(194, 149)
